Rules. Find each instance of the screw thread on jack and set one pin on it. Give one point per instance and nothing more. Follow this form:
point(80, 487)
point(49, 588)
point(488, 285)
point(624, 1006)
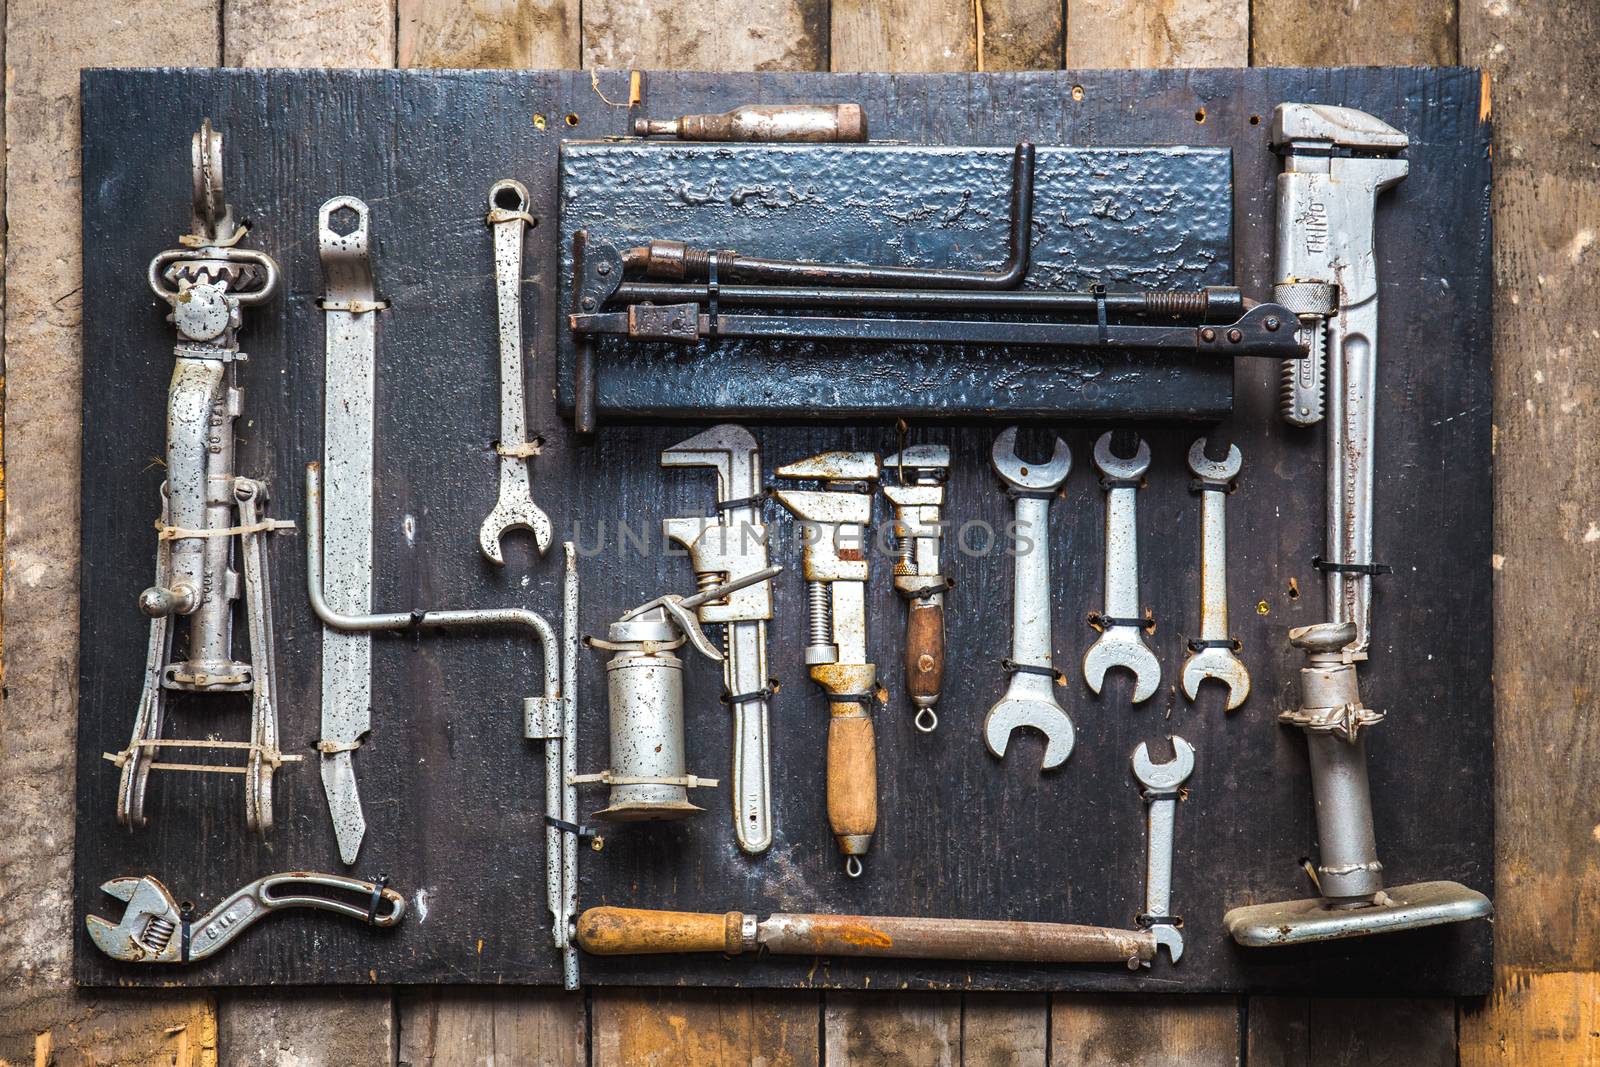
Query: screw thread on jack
point(819, 614)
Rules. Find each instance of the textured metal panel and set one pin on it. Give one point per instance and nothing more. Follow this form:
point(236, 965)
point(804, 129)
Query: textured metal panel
point(1131, 218)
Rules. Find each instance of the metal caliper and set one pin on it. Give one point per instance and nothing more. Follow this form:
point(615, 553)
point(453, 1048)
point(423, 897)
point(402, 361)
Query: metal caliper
point(1336, 162)
point(727, 547)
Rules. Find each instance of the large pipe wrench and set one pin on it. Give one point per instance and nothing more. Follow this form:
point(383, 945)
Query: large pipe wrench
point(917, 501)
point(726, 547)
point(1336, 162)
point(835, 562)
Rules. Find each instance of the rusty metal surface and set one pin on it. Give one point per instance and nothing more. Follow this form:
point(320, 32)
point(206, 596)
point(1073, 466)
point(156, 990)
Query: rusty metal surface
point(455, 795)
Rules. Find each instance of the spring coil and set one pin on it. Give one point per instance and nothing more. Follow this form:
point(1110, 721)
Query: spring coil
point(819, 614)
point(158, 933)
point(1178, 305)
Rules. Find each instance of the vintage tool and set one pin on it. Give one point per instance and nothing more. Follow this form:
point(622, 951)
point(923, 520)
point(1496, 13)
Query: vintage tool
point(1122, 625)
point(350, 307)
point(551, 717)
point(1030, 697)
point(1336, 161)
point(637, 931)
point(155, 928)
point(514, 508)
point(1214, 654)
point(727, 547)
point(205, 506)
point(1333, 198)
point(676, 262)
point(644, 681)
point(787, 123)
point(1160, 782)
point(836, 568)
point(917, 499)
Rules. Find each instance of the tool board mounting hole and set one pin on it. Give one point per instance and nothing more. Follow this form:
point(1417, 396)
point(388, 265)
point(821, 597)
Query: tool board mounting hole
point(1077, 92)
point(572, 119)
point(539, 121)
point(344, 221)
point(1200, 115)
point(1255, 120)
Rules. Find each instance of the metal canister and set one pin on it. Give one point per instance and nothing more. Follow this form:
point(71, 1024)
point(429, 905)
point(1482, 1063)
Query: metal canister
point(644, 681)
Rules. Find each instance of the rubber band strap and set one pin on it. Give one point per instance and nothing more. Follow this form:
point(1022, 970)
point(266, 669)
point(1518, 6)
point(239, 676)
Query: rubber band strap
point(928, 592)
point(1351, 568)
point(329, 748)
point(1013, 667)
point(1106, 622)
point(504, 214)
point(1210, 485)
point(1109, 484)
point(377, 898)
point(723, 506)
point(1226, 642)
point(713, 292)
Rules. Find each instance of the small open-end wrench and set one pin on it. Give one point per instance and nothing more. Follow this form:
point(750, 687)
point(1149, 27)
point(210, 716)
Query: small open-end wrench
point(1161, 782)
point(1213, 655)
point(917, 500)
point(514, 509)
point(155, 929)
point(1030, 698)
point(1121, 640)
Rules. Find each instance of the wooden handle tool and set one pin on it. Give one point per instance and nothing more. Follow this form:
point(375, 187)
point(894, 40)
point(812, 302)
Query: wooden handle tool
point(639, 931)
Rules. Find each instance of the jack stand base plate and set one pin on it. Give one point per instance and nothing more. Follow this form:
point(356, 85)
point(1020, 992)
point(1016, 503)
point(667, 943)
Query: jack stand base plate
point(1409, 907)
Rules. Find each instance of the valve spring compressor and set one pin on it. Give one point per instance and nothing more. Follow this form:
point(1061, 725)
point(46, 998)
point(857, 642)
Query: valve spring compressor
point(206, 505)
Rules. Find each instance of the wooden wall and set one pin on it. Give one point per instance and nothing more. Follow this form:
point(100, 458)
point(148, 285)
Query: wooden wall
point(1543, 58)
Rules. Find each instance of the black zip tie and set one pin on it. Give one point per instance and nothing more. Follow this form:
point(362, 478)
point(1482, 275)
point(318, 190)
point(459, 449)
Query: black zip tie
point(1013, 667)
point(569, 827)
point(1351, 568)
point(756, 501)
point(928, 591)
point(1099, 292)
point(1030, 494)
point(416, 619)
point(1226, 642)
point(185, 912)
point(760, 694)
point(864, 699)
point(1146, 623)
point(1210, 485)
point(713, 291)
point(1162, 794)
point(1109, 484)
point(1147, 921)
point(377, 897)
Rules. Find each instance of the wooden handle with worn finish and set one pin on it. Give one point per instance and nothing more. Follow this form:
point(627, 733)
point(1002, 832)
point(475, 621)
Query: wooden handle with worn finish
point(639, 931)
point(924, 652)
point(852, 777)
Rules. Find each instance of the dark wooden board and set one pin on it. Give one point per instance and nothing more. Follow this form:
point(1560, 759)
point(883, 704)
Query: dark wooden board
point(1128, 218)
point(453, 796)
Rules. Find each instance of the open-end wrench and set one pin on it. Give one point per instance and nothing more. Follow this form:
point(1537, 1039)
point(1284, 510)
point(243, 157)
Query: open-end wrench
point(1161, 782)
point(1213, 656)
point(1030, 698)
point(917, 499)
point(723, 548)
point(514, 509)
point(1121, 640)
point(155, 928)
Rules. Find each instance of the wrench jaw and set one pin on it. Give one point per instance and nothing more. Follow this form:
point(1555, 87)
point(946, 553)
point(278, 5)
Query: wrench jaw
point(510, 516)
point(1217, 664)
point(145, 932)
point(1121, 646)
point(1030, 477)
point(1169, 938)
point(1017, 712)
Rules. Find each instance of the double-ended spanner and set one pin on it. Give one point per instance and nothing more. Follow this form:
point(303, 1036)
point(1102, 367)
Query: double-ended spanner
point(1030, 697)
point(1160, 782)
point(514, 509)
point(1122, 625)
point(1213, 654)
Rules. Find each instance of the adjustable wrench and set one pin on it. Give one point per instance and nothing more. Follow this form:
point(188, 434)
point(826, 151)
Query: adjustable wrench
point(1030, 698)
point(1213, 656)
point(154, 928)
point(917, 500)
point(1121, 640)
point(1161, 782)
point(514, 509)
point(728, 546)
point(835, 565)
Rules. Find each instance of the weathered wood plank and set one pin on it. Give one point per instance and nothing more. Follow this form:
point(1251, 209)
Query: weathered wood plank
point(1547, 739)
point(1004, 1030)
point(529, 34)
point(1351, 1032)
point(504, 1027)
point(308, 33)
point(1309, 33)
point(1106, 1031)
point(870, 1029)
point(1020, 34)
point(306, 1028)
point(1549, 1019)
point(703, 1028)
point(712, 35)
point(904, 35)
point(1158, 33)
point(43, 1020)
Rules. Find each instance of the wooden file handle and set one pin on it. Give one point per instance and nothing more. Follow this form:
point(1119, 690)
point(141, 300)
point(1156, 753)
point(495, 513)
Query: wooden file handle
point(852, 777)
point(924, 651)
